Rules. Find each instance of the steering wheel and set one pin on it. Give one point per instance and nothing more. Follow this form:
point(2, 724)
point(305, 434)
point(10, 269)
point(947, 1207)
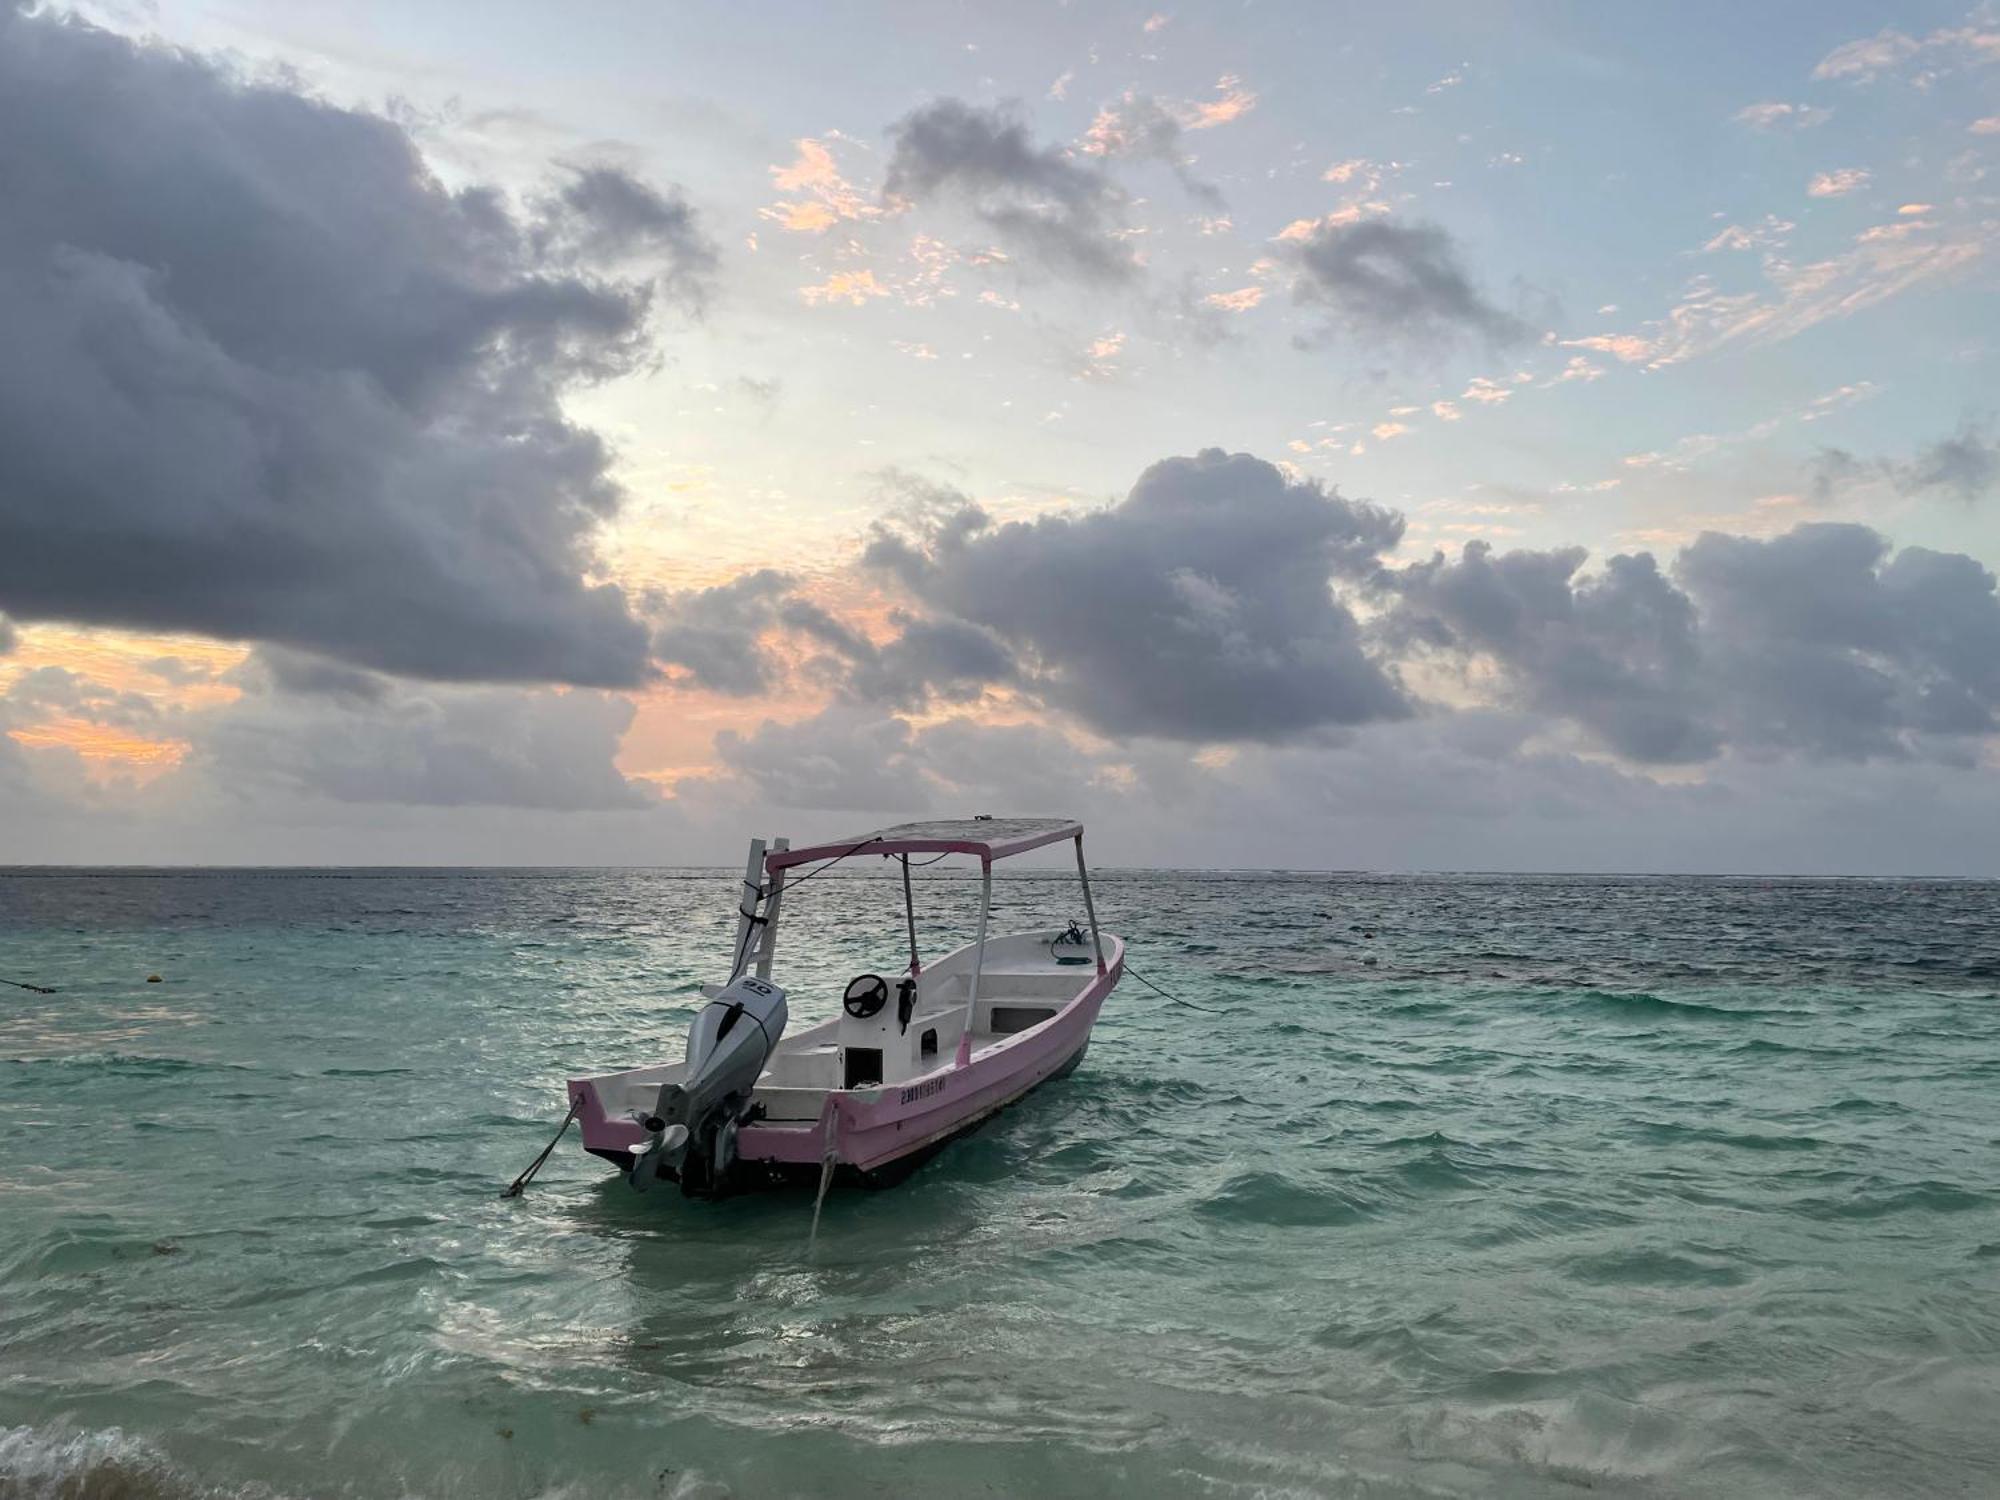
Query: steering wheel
point(866, 994)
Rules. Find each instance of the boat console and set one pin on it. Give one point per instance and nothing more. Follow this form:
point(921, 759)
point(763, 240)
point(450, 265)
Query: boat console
point(886, 1034)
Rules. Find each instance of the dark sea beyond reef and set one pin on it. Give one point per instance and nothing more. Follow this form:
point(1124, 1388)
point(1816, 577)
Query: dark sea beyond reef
point(1486, 1185)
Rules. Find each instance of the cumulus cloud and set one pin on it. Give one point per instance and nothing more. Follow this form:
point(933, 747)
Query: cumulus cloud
point(320, 729)
point(1388, 283)
point(1823, 641)
point(601, 217)
point(716, 633)
point(926, 659)
point(1616, 653)
point(1218, 604)
point(723, 637)
point(266, 378)
point(1035, 198)
point(1198, 608)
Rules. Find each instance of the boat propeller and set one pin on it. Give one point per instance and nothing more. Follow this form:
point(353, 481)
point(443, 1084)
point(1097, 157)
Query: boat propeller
point(663, 1141)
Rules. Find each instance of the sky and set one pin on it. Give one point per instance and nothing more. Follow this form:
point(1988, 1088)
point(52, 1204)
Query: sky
point(1442, 436)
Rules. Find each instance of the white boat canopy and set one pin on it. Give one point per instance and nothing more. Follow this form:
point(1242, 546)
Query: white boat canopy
point(989, 838)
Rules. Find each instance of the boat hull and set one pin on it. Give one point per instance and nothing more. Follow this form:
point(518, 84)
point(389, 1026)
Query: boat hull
point(879, 1134)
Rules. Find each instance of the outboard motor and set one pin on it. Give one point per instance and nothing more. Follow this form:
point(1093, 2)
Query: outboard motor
point(692, 1129)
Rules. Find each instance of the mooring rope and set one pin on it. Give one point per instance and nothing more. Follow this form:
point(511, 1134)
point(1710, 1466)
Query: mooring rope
point(514, 1188)
point(37, 989)
point(1169, 994)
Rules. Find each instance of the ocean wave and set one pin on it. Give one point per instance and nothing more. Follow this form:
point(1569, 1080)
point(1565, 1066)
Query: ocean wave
point(123, 1062)
point(1916, 1198)
point(1663, 1268)
point(101, 1464)
point(86, 1252)
point(1645, 1002)
point(1859, 1106)
point(1763, 1046)
point(1668, 1132)
point(1278, 1199)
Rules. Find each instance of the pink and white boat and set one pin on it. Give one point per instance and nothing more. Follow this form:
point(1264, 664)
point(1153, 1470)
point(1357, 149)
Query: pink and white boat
point(905, 1066)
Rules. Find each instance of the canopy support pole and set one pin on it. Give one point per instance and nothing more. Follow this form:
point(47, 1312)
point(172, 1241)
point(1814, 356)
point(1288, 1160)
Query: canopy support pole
point(978, 960)
point(767, 948)
point(749, 896)
point(1089, 906)
point(909, 914)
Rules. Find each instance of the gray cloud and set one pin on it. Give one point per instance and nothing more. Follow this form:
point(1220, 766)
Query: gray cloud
point(9, 636)
point(721, 636)
point(1965, 465)
point(1820, 640)
point(303, 676)
point(1141, 128)
point(1385, 283)
point(948, 659)
point(265, 378)
point(1823, 642)
point(843, 759)
point(176, 672)
point(855, 759)
point(1035, 198)
point(716, 633)
point(1213, 604)
point(1198, 608)
point(1616, 653)
point(926, 659)
point(604, 217)
point(45, 691)
point(322, 730)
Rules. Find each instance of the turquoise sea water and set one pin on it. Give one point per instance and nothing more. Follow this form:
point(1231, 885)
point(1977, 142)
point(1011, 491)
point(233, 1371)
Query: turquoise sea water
point(1582, 1185)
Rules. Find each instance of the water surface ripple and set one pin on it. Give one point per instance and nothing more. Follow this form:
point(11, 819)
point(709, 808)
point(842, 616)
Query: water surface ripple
point(1476, 1186)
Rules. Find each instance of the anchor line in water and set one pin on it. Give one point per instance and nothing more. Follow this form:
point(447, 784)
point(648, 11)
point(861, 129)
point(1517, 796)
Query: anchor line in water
point(514, 1188)
point(34, 989)
point(1169, 994)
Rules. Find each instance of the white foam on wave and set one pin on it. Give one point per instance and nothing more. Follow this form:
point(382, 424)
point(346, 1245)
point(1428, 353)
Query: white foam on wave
point(109, 1463)
point(37, 1463)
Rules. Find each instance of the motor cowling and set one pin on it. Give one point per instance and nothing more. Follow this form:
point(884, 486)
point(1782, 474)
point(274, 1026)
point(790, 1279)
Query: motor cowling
point(691, 1133)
